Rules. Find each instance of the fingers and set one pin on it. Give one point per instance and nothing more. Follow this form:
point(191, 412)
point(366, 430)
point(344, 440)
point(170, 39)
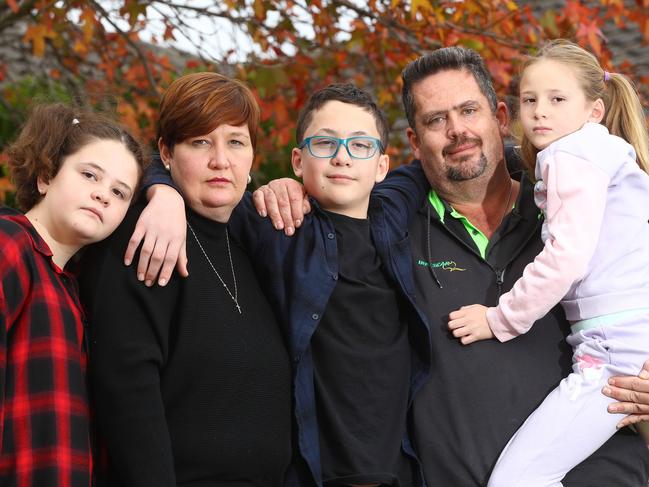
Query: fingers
point(259, 200)
point(468, 339)
point(284, 202)
point(146, 252)
point(459, 324)
point(461, 328)
point(630, 401)
point(161, 230)
point(632, 419)
point(285, 213)
point(465, 333)
point(456, 315)
point(297, 199)
point(469, 324)
point(632, 394)
point(169, 261)
point(181, 265)
point(266, 202)
point(133, 243)
point(285, 197)
point(306, 204)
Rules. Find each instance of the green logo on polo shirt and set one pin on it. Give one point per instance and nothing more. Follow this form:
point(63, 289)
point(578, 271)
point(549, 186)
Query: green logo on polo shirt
point(445, 265)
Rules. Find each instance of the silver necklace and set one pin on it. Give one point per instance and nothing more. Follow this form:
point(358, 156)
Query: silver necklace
point(234, 296)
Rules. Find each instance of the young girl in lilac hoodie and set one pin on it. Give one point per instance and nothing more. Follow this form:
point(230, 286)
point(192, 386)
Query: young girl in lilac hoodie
point(586, 137)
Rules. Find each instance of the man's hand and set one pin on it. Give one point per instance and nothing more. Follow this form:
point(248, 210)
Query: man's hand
point(469, 324)
point(633, 396)
point(163, 226)
point(284, 201)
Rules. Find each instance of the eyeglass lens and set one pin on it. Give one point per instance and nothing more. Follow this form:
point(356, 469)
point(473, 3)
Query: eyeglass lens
point(358, 147)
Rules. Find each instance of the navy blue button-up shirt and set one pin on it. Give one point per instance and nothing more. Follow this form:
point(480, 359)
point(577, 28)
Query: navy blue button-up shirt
point(299, 274)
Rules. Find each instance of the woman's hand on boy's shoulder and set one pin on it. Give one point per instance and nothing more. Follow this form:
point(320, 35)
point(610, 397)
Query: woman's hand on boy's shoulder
point(284, 201)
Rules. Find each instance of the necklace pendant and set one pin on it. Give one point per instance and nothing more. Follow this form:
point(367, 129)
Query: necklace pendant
point(238, 308)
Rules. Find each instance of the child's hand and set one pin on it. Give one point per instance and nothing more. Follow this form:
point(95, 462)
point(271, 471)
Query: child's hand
point(469, 324)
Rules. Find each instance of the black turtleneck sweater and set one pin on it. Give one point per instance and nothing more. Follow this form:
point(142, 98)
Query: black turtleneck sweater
point(187, 391)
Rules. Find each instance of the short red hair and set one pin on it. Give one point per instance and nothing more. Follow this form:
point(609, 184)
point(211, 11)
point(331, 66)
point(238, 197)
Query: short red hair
point(197, 103)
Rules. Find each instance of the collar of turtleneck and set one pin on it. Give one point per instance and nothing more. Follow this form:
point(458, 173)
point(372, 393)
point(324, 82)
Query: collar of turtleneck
point(206, 226)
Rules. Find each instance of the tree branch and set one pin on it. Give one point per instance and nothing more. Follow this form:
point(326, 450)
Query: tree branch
point(134, 46)
point(11, 18)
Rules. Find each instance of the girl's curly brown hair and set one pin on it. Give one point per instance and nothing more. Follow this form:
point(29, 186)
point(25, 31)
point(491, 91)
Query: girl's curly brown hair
point(54, 132)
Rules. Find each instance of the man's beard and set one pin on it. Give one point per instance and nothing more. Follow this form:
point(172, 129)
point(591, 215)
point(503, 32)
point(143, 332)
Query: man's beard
point(465, 173)
point(462, 172)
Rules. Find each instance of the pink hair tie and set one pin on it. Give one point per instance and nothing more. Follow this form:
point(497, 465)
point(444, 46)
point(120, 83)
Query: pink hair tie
point(607, 76)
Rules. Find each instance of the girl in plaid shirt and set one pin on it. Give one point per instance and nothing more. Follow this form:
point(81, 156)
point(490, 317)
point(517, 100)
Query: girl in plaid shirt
point(75, 173)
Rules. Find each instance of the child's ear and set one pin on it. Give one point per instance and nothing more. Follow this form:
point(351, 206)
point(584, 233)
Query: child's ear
point(296, 161)
point(597, 112)
point(42, 185)
point(382, 168)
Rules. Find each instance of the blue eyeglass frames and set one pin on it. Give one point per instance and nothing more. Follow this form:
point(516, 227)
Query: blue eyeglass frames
point(358, 147)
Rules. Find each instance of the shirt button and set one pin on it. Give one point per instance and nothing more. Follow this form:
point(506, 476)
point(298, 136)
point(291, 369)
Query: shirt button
point(330, 236)
point(334, 277)
point(315, 316)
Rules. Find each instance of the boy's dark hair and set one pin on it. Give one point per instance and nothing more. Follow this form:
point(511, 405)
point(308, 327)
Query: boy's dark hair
point(445, 59)
point(345, 93)
point(54, 132)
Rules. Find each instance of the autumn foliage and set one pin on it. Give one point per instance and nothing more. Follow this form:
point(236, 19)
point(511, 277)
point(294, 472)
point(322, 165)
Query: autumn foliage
point(293, 47)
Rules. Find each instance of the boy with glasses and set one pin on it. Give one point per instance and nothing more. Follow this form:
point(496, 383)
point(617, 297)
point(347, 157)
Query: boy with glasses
point(360, 348)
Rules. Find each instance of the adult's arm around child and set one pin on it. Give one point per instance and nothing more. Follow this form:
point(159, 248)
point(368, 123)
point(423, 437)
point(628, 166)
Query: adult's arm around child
point(161, 229)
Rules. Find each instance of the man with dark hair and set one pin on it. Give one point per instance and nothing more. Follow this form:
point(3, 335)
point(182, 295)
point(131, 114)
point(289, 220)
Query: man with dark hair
point(474, 233)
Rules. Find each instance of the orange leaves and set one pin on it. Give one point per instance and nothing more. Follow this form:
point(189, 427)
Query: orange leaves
point(259, 9)
point(591, 33)
point(139, 117)
point(88, 22)
point(168, 33)
point(37, 36)
point(132, 9)
point(300, 46)
point(420, 5)
point(13, 6)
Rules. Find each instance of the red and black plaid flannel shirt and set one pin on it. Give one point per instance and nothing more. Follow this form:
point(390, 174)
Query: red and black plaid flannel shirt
point(44, 417)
